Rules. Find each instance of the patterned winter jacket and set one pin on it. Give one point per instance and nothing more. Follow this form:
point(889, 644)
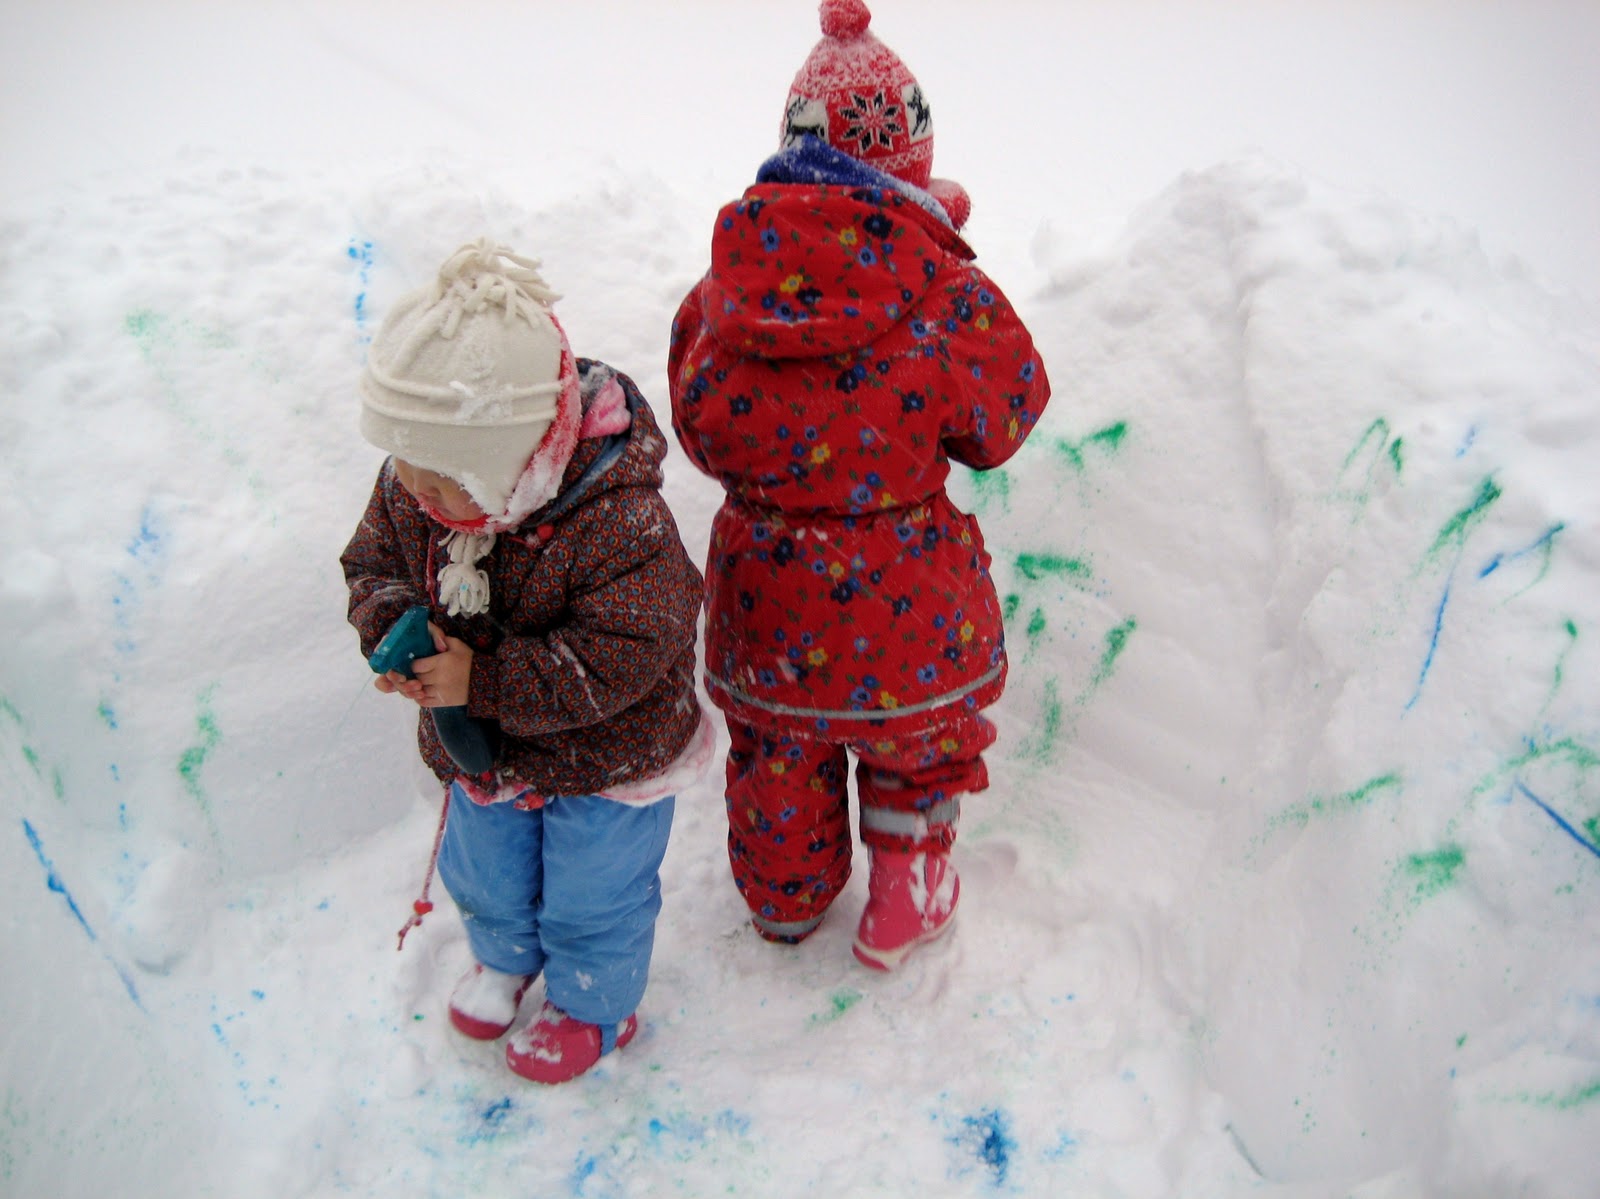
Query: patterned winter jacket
point(586, 657)
point(841, 350)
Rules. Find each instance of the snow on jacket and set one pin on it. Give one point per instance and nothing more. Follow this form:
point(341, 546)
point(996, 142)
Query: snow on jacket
point(839, 353)
point(586, 656)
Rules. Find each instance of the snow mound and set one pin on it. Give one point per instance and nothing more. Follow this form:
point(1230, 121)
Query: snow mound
point(1285, 884)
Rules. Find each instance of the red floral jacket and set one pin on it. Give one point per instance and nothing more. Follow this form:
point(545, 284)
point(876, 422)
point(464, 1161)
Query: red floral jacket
point(586, 657)
point(840, 352)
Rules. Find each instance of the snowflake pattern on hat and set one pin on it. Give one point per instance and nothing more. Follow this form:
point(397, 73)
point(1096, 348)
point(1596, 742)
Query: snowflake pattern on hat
point(871, 122)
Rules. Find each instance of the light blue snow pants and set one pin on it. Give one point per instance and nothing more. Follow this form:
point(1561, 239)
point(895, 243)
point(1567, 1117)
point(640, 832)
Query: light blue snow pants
point(572, 889)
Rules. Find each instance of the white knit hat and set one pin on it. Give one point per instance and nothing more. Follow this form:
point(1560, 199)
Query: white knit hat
point(465, 375)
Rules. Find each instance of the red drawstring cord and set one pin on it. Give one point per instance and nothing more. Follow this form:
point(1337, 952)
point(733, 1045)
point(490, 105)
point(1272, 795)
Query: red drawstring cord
point(422, 905)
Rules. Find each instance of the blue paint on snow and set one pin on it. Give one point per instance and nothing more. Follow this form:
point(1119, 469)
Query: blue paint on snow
point(1561, 821)
point(673, 1136)
point(583, 1171)
point(52, 880)
point(987, 1137)
point(595, 1176)
point(361, 254)
point(1064, 1147)
point(693, 1130)
point(1466, 442)
point(491, 1123)
point(146, 543)
point(1433, 644)
point(1544, 541)
point(147, 547)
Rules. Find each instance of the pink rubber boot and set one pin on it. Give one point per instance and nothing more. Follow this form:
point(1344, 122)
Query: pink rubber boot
point(911, 900)
point(555, 1048)
point(484, 1004)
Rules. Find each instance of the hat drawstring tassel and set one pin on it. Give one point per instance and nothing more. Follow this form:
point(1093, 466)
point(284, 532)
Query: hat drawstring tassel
point(463, 587)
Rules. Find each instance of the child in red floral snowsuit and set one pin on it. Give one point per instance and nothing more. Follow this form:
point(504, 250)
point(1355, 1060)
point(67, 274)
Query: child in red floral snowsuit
point(841, 350)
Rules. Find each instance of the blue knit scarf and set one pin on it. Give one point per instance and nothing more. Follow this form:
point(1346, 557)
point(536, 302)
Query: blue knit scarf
point(812, 160)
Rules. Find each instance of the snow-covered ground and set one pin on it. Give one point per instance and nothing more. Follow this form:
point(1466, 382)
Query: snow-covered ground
point(1287, 883)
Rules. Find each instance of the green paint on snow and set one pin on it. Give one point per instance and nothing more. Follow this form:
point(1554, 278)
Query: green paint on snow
point(1300, 815)
point(1431, 873)
point(1040, 744)
point(991, 488)
point(163, 342)
point(149, 330)
point(1459, 527)
point(1378, 429)
point(13, 1131)
point(30, 754)
point(1042, 566)
point(1116, 642)
point(1036, 624)
point(840, 1002)
point(1057, 719)
point(1365, 457)
point(1558, 676)
point(1108, 439)
point(1577, 1097)
point(193, 758)
point(1010, 606)
point(1567, 752)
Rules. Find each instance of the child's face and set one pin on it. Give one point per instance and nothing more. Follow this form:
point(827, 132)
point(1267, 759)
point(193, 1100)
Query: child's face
point(439, 492)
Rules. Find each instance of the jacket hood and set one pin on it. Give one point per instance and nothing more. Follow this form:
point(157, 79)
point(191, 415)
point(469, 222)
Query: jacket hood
point(620, 444)
point(802, 270)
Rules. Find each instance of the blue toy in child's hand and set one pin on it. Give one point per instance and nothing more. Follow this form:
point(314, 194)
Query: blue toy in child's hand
point(404, 643)
point(470, 742)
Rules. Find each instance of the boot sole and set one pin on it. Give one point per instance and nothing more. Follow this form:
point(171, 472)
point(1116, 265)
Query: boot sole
point(487, 1030)
point(535, 1068)
point(478, 1030)
point(888, 959)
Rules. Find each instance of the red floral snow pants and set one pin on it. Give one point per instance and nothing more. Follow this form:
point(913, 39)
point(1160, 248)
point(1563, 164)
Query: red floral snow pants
point(789, 814)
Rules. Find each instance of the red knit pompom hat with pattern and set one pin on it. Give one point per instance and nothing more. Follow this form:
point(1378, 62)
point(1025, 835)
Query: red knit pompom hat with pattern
point(855, 94)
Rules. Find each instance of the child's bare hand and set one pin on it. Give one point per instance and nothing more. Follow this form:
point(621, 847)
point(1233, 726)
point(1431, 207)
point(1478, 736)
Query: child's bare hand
point(395, 683)
point(442, 680)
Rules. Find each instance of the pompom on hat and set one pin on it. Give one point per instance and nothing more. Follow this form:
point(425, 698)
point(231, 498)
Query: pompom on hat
point(472, 377)
point(857, 95)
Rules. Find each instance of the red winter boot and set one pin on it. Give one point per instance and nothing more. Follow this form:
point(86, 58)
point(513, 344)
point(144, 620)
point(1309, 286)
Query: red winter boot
point(555, 1047)
point(484, 1003)
point(911, 900)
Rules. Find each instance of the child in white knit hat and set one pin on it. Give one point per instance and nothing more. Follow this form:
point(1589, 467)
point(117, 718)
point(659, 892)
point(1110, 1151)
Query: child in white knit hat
point(521, 506)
